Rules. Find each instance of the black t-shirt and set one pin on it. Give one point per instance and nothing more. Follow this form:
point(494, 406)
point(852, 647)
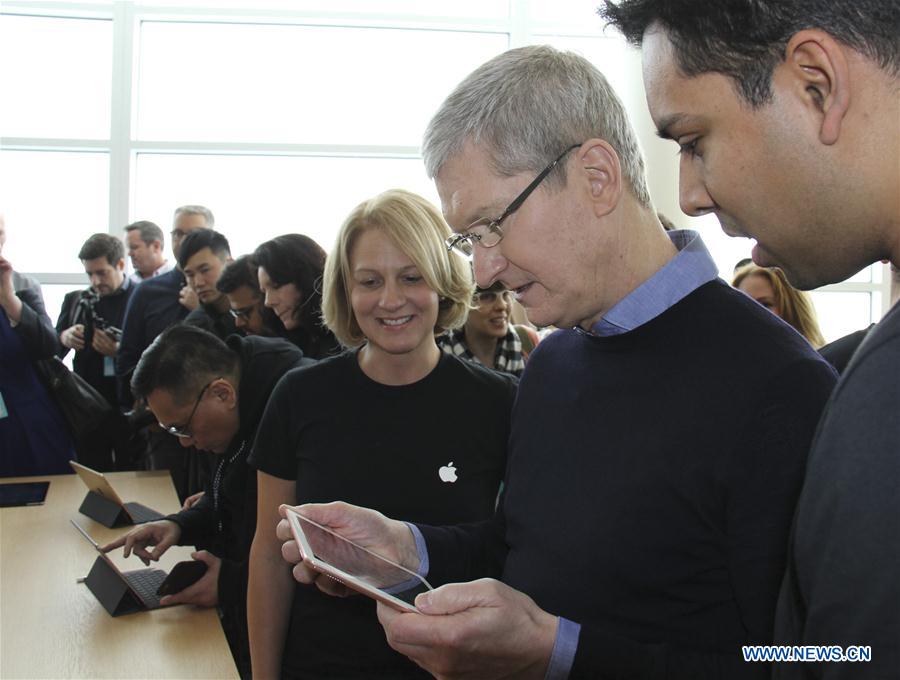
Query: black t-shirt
point(343, 436)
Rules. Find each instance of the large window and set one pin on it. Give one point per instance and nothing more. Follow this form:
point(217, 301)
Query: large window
point(56, 77)
point(299, 84)
point(280, 115)
point(54, 201)
point(259, 197)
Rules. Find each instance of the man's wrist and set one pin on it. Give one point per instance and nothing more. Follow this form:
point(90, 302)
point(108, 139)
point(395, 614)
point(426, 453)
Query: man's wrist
point(565, 644)
point(412, 553)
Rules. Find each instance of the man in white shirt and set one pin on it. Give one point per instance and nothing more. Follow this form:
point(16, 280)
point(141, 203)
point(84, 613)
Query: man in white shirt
point(144, 241)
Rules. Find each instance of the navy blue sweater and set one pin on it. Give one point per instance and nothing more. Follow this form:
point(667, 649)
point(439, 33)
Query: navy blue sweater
point(651, 481)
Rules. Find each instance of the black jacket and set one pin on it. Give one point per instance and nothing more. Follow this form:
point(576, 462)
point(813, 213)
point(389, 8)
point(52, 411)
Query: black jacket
point(224, 520)
point(89, 363)
point(206, 317)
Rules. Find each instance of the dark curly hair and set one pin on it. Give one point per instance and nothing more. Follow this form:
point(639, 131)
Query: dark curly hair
point(746, 39)
point(297, 259)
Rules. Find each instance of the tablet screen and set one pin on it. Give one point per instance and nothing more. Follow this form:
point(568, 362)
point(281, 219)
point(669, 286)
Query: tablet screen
point(23, 493)
point(356, 566)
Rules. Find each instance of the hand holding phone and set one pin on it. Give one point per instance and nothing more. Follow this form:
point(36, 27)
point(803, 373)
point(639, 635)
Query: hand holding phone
point(183, 574)
point(355, 566)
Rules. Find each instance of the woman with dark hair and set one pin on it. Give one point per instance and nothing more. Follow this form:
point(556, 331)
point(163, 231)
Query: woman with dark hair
point(290, 274)
point(488, 338)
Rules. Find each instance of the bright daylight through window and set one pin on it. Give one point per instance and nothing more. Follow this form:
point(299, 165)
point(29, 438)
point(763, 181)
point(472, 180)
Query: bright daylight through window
point(280, 115)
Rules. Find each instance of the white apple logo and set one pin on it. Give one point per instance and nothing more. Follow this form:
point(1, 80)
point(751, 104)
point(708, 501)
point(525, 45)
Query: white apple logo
point(447, 473)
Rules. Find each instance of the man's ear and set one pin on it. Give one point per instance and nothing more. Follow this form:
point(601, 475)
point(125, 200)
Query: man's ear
point(598, 166)
point(120, 265)
point(225, 391)
point(819, 65)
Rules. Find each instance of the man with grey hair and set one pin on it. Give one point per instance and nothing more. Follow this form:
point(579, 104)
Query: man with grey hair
point(658, 439)
point(144, 240)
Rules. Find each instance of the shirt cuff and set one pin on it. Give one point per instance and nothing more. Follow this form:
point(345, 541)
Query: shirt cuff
point(564, 648)
point(421, 549)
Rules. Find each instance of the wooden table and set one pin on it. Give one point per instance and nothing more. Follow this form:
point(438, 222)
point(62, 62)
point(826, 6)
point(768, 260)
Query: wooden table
point(53, 627)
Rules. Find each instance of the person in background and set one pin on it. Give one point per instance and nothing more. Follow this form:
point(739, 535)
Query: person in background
point(144, 241)
point(666, 223)
point(290, 276)
point(34, 436)
point(165, 300)
point(90, 323)
point(239, 282)
point(155, 305)
point(370, 425)
point(743, 262)
point(839, 352)
point(211, 394)
point(786, 114)
point(488, 338)
point(20, 281)
point(203, 256)
point(770, 288)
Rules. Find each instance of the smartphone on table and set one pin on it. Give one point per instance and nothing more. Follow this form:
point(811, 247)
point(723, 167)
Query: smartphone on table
point(354, 566)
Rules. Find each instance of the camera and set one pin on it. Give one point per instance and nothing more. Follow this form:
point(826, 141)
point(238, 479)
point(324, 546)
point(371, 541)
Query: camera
point(91, 320)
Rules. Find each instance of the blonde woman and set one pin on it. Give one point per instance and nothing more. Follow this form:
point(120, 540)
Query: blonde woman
point(392, 423)
point(770, 288)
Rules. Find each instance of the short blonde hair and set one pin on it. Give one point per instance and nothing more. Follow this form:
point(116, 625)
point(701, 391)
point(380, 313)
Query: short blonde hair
point(419, 231)
point(794, 306)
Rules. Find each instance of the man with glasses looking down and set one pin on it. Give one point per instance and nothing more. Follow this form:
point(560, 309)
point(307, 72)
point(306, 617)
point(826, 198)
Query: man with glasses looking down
point(658, 438)
point(210, 394)
point(246, 301)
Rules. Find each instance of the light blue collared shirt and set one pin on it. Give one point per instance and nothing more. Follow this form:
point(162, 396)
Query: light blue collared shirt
point(691, 268)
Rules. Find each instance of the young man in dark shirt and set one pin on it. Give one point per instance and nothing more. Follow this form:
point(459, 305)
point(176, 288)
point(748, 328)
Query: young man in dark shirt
point(787, 115)
point(90, 323)
point(203, 256)
point(211, 395)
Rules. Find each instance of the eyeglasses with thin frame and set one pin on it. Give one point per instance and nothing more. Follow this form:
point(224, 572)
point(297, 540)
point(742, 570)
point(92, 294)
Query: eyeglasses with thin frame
point(183, 431)
point(488, 232)
point(243, 312)
point(489, 296)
